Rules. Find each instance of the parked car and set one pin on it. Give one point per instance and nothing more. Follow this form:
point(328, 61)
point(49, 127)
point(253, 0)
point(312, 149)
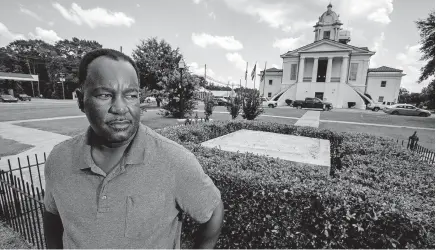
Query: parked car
point(406, 109)
point(8, 98)
point(24, 97)
point(219, 101)
point(312, 103)
point(268, 103)
point(378, 106)
point(150, 99)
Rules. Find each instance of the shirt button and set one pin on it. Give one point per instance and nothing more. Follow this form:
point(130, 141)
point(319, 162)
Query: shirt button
point(104, 197)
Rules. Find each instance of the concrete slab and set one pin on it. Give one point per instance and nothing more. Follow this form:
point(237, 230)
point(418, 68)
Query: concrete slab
point(309, 119)
point(287, 147)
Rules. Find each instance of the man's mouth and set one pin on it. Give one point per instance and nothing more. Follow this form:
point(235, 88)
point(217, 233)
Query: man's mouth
point(119, 124)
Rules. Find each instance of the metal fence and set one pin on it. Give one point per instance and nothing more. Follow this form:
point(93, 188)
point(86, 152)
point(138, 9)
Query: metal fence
point(22, 200)
point(425, 153)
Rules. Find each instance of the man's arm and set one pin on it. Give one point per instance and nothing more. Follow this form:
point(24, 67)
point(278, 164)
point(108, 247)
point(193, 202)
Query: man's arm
point(53, 230)
point(208, 233)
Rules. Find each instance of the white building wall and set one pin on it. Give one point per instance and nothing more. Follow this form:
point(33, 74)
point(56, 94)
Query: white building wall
point(276, 84)
point(336, 67)
point(390, 92)
point(287, 69)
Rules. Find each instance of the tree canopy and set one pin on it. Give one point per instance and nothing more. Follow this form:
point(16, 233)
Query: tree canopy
point(426, 29)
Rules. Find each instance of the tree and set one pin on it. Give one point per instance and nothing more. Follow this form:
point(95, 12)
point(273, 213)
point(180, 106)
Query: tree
point(404, 96)
point(428, 95)
point(217, 87)
point(156, 60)
point(180, 95)
point(426, 29)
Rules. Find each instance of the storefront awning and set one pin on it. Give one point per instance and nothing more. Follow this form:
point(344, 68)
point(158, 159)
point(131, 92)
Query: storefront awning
point(18, 77)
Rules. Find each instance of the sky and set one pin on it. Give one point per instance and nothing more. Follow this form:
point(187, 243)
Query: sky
point(225, 34)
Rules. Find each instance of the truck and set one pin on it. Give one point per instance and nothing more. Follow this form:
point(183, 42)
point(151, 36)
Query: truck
point(314, 103)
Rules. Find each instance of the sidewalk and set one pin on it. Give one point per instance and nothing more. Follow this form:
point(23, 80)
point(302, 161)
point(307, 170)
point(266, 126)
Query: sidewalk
point(42, 141)
point(309, 119)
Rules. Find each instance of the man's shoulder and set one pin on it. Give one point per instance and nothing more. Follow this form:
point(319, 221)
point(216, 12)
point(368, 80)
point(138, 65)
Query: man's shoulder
point(66, 148)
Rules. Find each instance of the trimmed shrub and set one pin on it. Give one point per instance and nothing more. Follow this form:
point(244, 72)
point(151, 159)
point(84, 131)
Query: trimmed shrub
point(288, 102)
point(234, 107)
point(209, 106)
point(252, 105)
point(382, 196)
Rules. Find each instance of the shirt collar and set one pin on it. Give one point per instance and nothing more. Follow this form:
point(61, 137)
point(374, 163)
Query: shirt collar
point(135, 152)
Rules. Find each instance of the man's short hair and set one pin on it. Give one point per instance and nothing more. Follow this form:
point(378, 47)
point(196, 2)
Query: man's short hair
point(110, 53)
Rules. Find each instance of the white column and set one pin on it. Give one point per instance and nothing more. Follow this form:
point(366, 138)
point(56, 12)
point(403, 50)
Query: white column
point(315, 69)
point(301, 70)
point(344, 69)
point(329, 69)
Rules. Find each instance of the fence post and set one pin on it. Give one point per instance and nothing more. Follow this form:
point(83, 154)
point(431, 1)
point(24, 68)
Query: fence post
point(413, 140)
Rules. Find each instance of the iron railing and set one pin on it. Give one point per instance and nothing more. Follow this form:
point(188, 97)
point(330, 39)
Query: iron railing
point(22, 200)
point(425, 153)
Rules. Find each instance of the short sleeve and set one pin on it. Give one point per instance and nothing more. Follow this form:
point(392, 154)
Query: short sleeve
point(196, 194)
point(49, 201)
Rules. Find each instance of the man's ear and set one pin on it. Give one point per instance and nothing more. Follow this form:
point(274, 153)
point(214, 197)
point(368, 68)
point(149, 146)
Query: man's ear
point(79, 93)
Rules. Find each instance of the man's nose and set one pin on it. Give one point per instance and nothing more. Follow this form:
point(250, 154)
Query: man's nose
point(119, 106)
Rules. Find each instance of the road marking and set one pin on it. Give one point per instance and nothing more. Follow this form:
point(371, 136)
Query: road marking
point(45, 119)
point(377, 125)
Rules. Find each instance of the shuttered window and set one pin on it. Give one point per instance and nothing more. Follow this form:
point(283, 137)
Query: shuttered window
point(353, 71)
point(293, 71)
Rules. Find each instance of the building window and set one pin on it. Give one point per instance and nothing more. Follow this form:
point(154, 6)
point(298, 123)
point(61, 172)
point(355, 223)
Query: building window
point(380, 98)
point(293, 71)
point(383, 84)
point(326, 34)
point(269, 94)
point(353, 71)
point(270, 82)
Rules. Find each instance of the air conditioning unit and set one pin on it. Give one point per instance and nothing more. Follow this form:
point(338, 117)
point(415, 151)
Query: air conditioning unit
point(344, 36)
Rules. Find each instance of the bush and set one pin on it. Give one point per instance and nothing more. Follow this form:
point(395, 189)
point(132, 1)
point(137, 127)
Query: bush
point(288, 102)
point(234, 107)
point(381, 196)
point(252, 105)
point(209, 106)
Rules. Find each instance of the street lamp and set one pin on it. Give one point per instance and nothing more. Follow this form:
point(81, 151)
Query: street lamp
point(181, 67)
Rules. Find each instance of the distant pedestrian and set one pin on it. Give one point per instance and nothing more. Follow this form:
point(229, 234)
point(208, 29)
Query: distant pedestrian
point(120, 184)
point(158, 101)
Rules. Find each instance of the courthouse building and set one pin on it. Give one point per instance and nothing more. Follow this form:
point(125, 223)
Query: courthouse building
point(333, 70)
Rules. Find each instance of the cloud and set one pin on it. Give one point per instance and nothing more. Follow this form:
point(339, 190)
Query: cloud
point(51, 23)
point(379, 50)
point(212, 15)
point(30, 13)
point(409, 62)
point(49, 36)
point(138, 5)
point(373, 10)
point(226, 42)
point(9, 35)
point(237, 60)
point(197, 70)
point(94, 17)
point(291, 43)
point(197, 1)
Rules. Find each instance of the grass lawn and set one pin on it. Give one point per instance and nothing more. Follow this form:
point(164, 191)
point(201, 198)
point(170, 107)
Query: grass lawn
point(426, 137)
point(10, 147)
point(10, 239)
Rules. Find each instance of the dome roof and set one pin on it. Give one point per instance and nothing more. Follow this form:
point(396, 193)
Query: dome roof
point(329, 17)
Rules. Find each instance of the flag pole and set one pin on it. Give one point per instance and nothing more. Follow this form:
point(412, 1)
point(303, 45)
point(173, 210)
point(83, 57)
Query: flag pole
point(255, 76)
point(246, 72)
point(264, 80)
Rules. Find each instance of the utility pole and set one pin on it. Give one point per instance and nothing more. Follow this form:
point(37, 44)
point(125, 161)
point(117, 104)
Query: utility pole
point(121, 49)
point(62, 79)
point(30, 73)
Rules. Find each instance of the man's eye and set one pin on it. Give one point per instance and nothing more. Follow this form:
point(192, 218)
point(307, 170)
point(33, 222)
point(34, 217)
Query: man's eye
point(104, 96)
point(132, 96)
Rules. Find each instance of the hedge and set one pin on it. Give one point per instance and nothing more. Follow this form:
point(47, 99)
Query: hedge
point(379, 195)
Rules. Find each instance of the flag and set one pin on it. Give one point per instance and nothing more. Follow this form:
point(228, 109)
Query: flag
point(253, 73)
point(263, 73)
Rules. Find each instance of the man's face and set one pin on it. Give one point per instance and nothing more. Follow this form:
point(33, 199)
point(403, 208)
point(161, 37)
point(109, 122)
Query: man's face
point(111, 99)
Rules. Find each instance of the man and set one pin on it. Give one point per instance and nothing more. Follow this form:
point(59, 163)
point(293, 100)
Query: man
point(120, 184)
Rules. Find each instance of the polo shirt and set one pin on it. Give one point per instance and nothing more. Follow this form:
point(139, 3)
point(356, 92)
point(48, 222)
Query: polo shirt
point(136, 205)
